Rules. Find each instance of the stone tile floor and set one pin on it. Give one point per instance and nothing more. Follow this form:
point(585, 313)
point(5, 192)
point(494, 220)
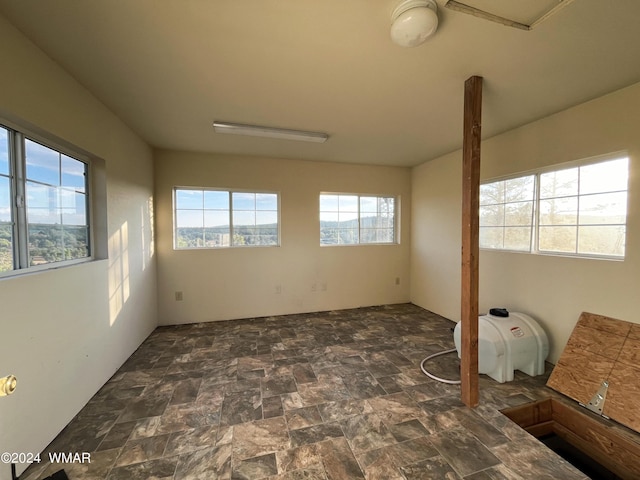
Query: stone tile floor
point(331, 395)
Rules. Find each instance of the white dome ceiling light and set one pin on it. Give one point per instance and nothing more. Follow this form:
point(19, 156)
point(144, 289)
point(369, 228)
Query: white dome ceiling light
point(413, 21)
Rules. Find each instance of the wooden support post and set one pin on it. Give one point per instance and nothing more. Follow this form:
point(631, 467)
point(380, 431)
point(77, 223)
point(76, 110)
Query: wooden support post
point(470, 243)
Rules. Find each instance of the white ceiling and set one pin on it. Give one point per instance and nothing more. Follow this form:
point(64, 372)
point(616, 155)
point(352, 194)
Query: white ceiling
point(169, 68)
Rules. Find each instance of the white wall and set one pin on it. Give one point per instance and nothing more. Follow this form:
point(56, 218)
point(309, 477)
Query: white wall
point(554, 290)
point(64, 332)
point(241, 282)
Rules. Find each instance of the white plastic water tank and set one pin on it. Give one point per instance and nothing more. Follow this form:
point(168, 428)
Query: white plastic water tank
point(506, 344)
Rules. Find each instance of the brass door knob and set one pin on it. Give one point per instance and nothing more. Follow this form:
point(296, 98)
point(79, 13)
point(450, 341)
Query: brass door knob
point(8, 385)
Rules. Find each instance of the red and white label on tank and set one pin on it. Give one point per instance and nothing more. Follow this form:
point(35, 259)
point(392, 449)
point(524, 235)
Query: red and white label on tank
point(517, 332)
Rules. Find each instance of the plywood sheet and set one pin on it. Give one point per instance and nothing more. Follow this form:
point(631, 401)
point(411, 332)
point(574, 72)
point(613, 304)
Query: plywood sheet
point(623, 397)
point(605, 324)
point(574, 381)
point(630, 353)
point(635, 332)
point(595, 341)
point(602, 348)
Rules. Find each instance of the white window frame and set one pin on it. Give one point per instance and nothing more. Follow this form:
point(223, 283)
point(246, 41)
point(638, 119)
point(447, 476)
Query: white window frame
point(232, 242)
point(395, 240)
point(17, 136)
point(536, 225)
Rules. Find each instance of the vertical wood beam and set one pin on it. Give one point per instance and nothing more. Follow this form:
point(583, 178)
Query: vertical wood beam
point(470, 241)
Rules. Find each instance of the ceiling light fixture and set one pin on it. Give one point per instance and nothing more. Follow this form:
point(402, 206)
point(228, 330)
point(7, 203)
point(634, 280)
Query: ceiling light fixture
point(413, 21)
point(258, 131)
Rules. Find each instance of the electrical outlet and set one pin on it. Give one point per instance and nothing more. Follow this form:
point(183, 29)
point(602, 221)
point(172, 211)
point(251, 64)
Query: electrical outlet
point(178, 296)
point(397, 280)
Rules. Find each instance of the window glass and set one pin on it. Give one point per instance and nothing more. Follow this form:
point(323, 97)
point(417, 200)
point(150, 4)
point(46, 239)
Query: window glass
point(43, 163)
point(506, 214)
point(369, 205)
point(338, 219)
point(517, 238)
point(602, 240)
point(244, 201)
point(221, 218)
point(491, 237)
point(267, 202)
point(4, 151)
point(559, 211)
point(189, 199)
point(76, 241)
point(347, 219)
point(42, 204)
point(580, 210)
point(214, 218)
point(56, 205)
point(54, 225)
point(610, 176)
point(189, 219)
point(491, 215)
point(558, 239)
point(518, 213)
point(519, 189)
point(348, 203)
point(73, 174)
point(5, 199)
point(492, 193)
point(73, 208)
point(216, 237)
point(329, 203)
point(6, 230)
point(214, 200)
point(594, 202)
point(560, 183)
point(603, 208)
point(244, 218)
point(376, 219)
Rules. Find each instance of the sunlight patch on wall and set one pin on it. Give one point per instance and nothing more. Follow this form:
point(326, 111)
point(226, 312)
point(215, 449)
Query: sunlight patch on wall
point(118, 271)
point(148, 240)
